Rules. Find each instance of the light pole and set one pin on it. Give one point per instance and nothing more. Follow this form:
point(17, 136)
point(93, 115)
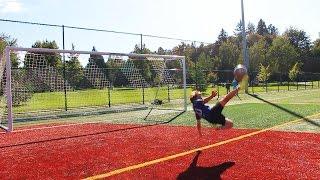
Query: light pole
point(244, 45)
point(244, 39)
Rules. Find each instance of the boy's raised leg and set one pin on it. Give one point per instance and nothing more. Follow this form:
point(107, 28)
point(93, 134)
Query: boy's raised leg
point(229, 96)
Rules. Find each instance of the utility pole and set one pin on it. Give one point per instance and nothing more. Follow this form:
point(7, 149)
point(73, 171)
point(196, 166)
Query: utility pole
point(244, 45)
point(244, 39)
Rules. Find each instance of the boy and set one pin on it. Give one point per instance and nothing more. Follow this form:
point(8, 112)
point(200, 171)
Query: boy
point(212, 115)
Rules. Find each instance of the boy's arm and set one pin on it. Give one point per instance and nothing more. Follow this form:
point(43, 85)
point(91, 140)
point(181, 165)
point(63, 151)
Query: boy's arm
point(199, 126)
point(207, 99)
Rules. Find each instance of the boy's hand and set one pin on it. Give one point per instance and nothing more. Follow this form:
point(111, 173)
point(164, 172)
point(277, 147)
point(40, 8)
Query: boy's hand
point(238, 87)
point(214, 93)
point(234, 84)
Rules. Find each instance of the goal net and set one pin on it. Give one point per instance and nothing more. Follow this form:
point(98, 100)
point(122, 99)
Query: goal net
point(48, 86)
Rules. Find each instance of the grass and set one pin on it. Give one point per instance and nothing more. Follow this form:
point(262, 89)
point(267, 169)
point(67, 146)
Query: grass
point(284, 87)
point(99, 97)
point(246, 113)
point(255, 115)
point(303, 126)
point(95, 97)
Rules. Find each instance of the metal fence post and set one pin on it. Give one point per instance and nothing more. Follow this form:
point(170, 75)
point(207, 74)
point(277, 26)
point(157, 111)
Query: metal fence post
point(141, 43)
point(305, 81)
point(252, 84)
point(64, 73)
point(266, 83)
point(9, 90)
point(279, 82)
point(168, 93)
point(312, 82)
point(218, 90)
point(143, 94)
point(109, 96)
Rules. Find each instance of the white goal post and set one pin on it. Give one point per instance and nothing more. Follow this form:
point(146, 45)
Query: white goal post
point(120, 78)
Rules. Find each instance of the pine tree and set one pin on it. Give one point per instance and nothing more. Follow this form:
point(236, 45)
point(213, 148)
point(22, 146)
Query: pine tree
point(262, 28)
point(74, 70)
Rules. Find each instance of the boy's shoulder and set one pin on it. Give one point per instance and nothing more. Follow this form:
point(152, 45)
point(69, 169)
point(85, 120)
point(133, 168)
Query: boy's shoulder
point(198, 102)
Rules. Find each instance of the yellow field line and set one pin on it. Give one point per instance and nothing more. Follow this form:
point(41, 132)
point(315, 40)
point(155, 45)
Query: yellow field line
point(167, 158)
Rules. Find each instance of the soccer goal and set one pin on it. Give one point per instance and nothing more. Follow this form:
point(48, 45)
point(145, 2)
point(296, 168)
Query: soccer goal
point(50, 86)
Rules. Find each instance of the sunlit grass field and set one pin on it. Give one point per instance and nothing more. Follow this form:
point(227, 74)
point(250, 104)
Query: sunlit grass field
point(268, 110)
point(249, 112)
point(96, 97)
point(100, 97)
point(256, 115)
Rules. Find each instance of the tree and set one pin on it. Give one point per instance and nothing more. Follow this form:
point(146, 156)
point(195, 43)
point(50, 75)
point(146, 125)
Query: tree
point(199, 78)
point(227, 58)
point(143, 65)
point(254, 38)
point(229, 55)
point(299, 39)
point(161, 51)
point(272, 30)
point(45, 44)
point(204, 62)
point(53, 59)
point(294, 72)
point(6, 40)
point(238, 30)
point(281, 55)
point(213, 49)
point(237, 38)
point(316, 48)
point(251, 28)
point(223, 36)
point(144, 50)
point(202, 66)
point(212, 77)
point(113, 70)
point(98, 60)
point(74, 70)
point(216, 61)
point(257, 54)
point(262, 28)
point(264, 73)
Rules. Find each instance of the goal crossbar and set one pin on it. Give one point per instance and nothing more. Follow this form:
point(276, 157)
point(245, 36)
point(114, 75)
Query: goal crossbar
point(45, 50)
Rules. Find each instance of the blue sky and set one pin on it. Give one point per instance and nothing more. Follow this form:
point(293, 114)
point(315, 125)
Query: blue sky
point(187, 19)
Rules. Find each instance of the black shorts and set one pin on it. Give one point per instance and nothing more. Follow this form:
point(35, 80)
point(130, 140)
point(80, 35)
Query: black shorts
point(216, 116)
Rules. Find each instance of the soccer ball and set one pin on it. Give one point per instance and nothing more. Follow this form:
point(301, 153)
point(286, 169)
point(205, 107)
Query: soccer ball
point(239, 72)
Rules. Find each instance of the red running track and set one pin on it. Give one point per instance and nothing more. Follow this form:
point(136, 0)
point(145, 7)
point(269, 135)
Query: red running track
point(81, 151)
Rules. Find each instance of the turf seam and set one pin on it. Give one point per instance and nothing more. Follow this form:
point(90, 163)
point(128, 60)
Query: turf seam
point(174, 156)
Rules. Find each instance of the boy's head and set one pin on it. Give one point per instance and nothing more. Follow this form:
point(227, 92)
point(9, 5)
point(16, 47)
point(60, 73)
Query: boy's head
point(195, 95)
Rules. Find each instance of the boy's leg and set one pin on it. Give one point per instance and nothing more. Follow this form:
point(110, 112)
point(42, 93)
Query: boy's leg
point(219, 118)
point(229, 96)
point(228, 124)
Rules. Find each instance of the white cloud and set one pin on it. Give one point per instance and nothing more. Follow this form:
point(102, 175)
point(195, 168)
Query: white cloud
point(10, 6)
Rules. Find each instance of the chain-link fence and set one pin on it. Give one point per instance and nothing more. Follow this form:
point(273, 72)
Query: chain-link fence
point(222, 80)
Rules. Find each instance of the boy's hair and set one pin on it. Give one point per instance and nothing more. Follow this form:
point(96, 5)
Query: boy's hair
point(193, 95)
